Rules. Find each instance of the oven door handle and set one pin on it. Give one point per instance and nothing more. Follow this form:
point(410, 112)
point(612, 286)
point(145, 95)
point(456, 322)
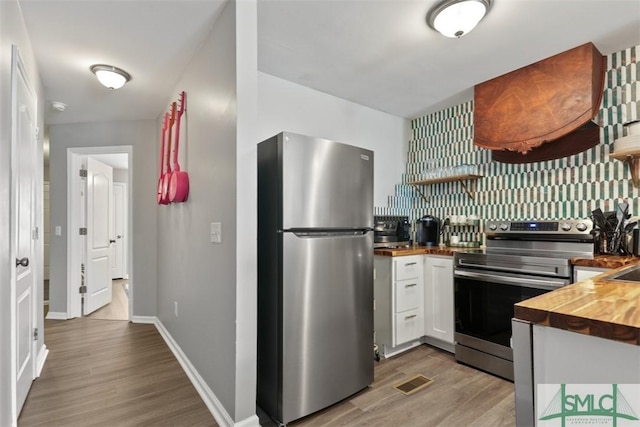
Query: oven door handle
point(497, 268)
point(527, 282)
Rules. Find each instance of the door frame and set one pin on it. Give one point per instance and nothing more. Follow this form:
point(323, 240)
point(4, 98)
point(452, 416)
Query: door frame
point(75, 212)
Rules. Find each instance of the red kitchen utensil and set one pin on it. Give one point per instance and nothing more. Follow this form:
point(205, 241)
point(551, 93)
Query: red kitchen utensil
point(167, 174)
point(179, 182)
point(165, 124)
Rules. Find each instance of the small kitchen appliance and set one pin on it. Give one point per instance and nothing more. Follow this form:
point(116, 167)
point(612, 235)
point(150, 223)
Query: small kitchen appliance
point(636, 241)
point(391, 231)
point(428, 231)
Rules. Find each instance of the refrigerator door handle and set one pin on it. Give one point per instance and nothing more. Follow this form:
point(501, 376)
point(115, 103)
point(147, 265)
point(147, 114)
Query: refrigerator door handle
point(326, 233)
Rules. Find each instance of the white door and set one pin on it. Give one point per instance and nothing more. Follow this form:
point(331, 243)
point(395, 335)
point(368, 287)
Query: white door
point(117, 269)
point(98, 246)
point(24, 140)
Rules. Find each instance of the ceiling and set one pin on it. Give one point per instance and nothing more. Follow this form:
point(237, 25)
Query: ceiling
point(377, 53)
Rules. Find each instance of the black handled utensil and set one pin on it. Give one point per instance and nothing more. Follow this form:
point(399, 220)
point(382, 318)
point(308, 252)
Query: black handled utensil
point(621, 214)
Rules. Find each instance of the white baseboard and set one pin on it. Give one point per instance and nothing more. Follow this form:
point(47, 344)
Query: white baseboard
point(443, 345)
point(387, 352)
point(252, 421)
point(42, 357)
point(53, 315)
point(208, 396)
point(153, 320)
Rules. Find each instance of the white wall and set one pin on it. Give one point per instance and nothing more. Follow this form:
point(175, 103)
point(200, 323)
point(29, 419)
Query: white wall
point(13, 32)
point(142, 136)
point(286, 106)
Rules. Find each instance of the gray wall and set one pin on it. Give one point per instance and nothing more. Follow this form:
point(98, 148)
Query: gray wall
point(201, 276)
point(13, 32)
point(142, 136)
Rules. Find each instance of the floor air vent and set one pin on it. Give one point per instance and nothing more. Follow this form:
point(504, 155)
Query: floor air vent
point(413, 385)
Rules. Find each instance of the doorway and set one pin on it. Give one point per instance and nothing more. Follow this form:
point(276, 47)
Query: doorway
point(118, 158)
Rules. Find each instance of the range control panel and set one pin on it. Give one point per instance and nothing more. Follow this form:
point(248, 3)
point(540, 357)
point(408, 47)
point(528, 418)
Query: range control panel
point(534, 226)
point(559, 227)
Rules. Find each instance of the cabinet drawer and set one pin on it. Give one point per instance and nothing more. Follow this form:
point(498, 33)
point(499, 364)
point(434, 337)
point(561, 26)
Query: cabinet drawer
point(407, 267)
point(409, 326)
point(409, 294)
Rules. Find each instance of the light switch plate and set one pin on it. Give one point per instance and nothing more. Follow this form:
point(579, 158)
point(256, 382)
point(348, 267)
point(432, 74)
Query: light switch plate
point(216, 232)
point(58, 230)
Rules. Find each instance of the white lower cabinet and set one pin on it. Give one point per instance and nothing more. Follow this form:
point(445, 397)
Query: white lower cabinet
point(399, 296)
point(439, 321)
point(413, 302)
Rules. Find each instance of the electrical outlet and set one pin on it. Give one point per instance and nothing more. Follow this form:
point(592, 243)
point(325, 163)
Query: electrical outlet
point(175, 308)
point(216, 232)
point(58, 230)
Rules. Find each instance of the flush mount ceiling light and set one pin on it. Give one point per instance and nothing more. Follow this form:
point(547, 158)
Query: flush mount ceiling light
point(110, 76)
point(58, 106)
point(455, 18)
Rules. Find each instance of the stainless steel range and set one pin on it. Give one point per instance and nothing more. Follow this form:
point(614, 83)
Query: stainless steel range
point(522, 259)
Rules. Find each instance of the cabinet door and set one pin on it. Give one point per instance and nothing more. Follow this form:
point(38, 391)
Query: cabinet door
point(409, 325)
point(438, 298)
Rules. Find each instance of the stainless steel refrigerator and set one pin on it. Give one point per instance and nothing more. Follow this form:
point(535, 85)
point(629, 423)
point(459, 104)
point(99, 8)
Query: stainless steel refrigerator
point(315, 274)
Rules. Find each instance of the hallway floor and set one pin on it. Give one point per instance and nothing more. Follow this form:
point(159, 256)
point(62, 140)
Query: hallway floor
point(111, 373)
point(118, 308)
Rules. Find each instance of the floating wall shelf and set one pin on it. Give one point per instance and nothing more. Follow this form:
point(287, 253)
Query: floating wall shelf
point(631, 158)
point(460, 178)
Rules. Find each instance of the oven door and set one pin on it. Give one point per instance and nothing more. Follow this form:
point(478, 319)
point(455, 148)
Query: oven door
point(484, 303)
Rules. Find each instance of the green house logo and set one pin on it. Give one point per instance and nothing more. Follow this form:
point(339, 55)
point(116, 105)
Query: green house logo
point(590, 404)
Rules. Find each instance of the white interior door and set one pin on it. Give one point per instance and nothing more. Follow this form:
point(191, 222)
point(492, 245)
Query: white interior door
point(117, 269)
point(24, 137)
point(98, 246)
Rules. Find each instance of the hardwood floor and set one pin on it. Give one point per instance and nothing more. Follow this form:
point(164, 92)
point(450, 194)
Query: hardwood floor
point(459, 396)
point(118, 308)
point(122, 374)
point(111, 374)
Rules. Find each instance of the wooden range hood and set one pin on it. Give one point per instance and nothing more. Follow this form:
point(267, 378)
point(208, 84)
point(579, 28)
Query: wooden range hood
point(543, 111)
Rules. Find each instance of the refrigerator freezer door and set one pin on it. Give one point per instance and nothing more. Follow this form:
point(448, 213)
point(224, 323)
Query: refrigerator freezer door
point(325, 184)
point(327, 336)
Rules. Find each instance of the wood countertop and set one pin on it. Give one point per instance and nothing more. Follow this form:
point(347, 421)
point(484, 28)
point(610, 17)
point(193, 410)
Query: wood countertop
point(597, 307)
point(423, 250)
point(605, 261)
point(598, 261)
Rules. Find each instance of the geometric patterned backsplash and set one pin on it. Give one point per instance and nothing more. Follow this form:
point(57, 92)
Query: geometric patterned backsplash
point(567, 188)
